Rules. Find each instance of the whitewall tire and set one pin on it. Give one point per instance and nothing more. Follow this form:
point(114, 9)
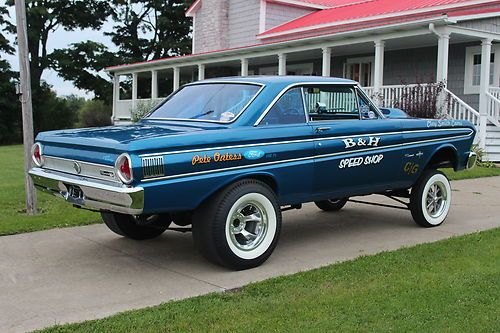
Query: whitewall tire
point(430, 199)
point(240, 226)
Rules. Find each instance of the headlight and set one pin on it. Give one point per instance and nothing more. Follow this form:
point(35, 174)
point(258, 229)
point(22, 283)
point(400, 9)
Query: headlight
point(123, 168)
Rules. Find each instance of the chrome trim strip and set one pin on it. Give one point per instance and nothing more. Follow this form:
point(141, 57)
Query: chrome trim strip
point(88, 169)
point(262, 86)
point(300, 141)
point(303, 158)
point(98, 195)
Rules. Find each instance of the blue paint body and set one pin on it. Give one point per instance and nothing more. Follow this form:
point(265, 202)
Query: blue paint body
point(300, 163)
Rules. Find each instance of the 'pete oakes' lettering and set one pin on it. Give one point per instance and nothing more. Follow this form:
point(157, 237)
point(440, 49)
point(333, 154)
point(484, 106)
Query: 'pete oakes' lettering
point(217, 157)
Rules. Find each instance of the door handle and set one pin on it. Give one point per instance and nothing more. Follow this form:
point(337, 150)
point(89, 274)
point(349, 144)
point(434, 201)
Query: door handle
point(409, 155)
point(322, 129)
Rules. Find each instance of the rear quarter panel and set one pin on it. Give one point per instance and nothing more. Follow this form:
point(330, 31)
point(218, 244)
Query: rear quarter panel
point(424, 138)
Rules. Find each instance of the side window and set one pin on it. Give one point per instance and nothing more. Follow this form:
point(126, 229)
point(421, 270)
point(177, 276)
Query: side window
point(288, 110)
point(366, 108)
point(331, 103)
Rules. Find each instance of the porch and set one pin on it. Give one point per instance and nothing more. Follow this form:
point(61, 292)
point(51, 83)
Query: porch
point(466, 62)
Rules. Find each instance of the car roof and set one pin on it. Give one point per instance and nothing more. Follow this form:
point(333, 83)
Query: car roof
point(282, 80)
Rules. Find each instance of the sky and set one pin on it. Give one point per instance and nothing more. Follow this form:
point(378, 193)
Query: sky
point(62, 39)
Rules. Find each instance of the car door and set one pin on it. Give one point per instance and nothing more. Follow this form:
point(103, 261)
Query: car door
point(357, 150)
point(293, 151)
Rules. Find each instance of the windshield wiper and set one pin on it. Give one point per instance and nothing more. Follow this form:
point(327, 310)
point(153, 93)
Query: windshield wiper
point(202, 114)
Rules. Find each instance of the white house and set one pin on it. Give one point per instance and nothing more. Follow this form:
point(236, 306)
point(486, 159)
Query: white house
point(383, 44)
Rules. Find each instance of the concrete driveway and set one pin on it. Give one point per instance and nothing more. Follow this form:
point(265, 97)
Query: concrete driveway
point(69, 275)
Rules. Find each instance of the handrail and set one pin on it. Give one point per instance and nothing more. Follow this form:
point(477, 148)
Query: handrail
point(462, 103)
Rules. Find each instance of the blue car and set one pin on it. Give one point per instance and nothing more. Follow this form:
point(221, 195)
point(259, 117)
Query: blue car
point(227, 156)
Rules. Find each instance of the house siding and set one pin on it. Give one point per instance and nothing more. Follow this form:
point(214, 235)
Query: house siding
point(243, 22)
point(277, 14)
point(419, 65)
point(489, 24)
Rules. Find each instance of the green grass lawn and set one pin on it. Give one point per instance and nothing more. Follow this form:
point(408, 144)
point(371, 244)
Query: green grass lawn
point(448, 286)
point(54, 212)
point(477, 172)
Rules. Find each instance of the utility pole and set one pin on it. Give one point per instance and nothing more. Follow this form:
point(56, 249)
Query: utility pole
point(27, 107)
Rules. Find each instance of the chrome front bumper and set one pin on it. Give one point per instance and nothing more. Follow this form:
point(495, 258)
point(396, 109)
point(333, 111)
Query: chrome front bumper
point(471, 160)
point(90, 193)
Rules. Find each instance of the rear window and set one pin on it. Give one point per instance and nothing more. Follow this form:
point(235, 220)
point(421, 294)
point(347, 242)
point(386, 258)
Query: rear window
point(220, 102)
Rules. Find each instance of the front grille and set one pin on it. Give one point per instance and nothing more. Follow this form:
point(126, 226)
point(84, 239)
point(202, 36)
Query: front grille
point(153, 167)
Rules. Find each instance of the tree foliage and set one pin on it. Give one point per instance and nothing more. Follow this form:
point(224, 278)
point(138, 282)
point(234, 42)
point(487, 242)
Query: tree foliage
point(46, 16)
point(81, 63)
point(150, 29)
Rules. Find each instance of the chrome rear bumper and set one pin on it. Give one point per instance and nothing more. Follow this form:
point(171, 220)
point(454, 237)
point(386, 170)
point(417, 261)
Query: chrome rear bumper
point(471, 160)
point(90, 193)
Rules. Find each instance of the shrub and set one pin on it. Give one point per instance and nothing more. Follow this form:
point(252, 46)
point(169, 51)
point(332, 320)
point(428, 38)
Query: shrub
point(481, 155)
point(143, 108)
point(423, 100)
point(95, 113)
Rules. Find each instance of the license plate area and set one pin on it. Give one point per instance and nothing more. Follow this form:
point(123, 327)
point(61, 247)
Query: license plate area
point(75, 192)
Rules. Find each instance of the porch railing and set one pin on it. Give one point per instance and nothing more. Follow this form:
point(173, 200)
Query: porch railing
point(455, 108)
point(493, 97)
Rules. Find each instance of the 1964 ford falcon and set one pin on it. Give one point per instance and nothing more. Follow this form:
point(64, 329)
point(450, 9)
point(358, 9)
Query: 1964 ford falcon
point(227, 156)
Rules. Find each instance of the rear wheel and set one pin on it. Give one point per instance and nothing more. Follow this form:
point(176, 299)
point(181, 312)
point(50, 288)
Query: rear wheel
point(332, 205)
point(430, 199)
point(138, 228)
point(240, 226)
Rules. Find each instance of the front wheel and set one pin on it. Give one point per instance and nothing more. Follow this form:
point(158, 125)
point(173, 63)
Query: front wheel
point(430, 199)
point(138, 228)
point(240, 226)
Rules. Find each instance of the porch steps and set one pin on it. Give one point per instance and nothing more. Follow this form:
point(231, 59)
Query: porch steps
point(493, 144)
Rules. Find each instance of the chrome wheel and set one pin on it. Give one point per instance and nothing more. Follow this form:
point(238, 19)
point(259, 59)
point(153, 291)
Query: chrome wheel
point(248, 226)
point(437, 197)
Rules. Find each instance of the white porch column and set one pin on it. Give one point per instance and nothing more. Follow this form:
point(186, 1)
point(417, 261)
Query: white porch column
point(379, 69)
point(327, 61)
point(443, 58)
point(177, 78)
point(201, 72)
point(134, 90)
point(154, 84)
point(485, 85)
point(244, 67)
point(282, 64)
point(116, 95)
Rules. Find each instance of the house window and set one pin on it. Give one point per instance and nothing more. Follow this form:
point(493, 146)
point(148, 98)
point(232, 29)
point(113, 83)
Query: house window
point(476, 69)
point(473, 60)
point(360, 70)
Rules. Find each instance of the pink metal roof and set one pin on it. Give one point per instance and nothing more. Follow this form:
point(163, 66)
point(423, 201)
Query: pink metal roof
point(363, 10)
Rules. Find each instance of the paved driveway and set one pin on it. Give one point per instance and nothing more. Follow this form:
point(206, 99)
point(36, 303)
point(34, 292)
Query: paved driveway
point(75, 274)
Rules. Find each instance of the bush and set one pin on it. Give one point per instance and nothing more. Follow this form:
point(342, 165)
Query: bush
point(141, 109)
point(423, 100)
point(95, 113)
point(481, 155)
point(51, 112)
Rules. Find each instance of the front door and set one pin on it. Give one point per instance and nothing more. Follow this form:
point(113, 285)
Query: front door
point(357, 151)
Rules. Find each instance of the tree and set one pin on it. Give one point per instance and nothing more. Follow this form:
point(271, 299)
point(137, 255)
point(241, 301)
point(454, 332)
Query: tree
point(10, 112)
point(81, 63)
point(143, 30)
point(46, 16)
point(150, 29)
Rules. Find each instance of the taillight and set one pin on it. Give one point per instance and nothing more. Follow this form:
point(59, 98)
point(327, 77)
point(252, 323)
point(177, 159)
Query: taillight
point(37, 154)
point(123, 168)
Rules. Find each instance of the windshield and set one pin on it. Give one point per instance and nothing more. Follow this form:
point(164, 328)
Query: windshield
point(221, 102)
